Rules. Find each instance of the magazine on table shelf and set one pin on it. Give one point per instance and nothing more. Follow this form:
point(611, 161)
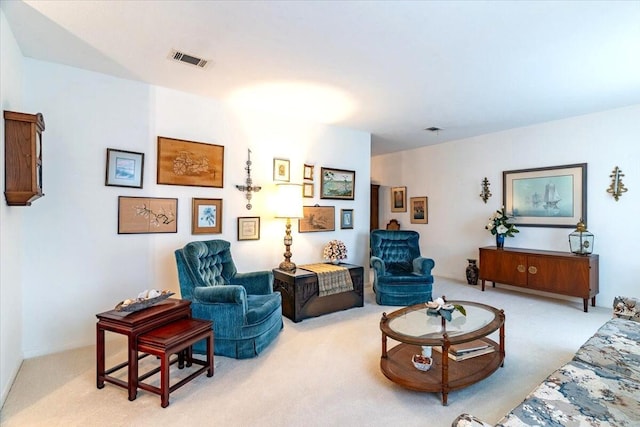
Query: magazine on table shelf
point(468, 350)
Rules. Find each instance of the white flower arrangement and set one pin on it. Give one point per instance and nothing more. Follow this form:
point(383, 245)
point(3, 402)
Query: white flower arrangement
point(498, 224)
point(335, 250)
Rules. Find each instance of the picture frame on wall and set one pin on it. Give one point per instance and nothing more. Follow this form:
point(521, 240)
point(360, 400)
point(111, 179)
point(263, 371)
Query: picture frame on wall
point(398, 199)
point(190, 163)
point(317, 218)
point(346, 219)
point(206, 216)
point(307, 189)
point(337, 184)
point(553, 196)
point(281, 170)
point(308, 172)
point(419, 210)
point(249, 228)
point(124, 168)
point(141, 215)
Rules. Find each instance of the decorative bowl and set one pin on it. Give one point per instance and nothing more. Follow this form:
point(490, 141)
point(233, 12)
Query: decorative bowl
point(422, 363)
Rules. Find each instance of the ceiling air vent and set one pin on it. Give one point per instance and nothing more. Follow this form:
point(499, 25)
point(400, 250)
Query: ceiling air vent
point(185, 58)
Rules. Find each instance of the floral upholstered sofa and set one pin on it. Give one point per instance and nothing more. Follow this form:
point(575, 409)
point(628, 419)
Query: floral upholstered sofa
point(599, 387)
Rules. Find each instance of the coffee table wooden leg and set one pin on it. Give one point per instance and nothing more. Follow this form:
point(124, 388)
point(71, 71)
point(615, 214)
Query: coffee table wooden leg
point(164, 380)
point(133, 368)
point(210, 354)
point(100, 357)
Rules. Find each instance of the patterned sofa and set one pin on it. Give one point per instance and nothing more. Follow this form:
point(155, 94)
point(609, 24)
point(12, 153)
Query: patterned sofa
point(599, 387)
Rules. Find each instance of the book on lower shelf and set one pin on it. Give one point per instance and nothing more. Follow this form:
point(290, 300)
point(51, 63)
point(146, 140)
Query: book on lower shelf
point(468, 350)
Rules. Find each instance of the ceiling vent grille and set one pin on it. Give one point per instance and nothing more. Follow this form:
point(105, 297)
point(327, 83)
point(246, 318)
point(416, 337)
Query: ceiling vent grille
point(185, 58)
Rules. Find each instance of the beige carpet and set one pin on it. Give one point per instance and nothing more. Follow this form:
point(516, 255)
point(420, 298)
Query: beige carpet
point(320, 372)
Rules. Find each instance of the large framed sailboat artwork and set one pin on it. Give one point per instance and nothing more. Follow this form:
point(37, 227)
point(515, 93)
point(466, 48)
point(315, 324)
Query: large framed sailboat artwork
point(546, 197)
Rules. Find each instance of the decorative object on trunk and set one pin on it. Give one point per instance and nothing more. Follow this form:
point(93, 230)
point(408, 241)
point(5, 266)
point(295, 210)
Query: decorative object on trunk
point(249, 187)
point(335, 251)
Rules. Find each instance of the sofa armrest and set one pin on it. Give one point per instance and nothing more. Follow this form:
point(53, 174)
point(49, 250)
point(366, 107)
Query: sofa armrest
point(423, 265)
point(256, 283)
point(378, 265)
point(224, 294)
point(627, 308)
point(468, 420)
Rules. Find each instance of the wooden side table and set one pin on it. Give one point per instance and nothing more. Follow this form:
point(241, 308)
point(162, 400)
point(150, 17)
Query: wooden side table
point(132, 325)
point(300, 299)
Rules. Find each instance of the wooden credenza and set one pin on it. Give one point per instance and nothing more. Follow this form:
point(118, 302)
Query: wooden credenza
point(562, 273)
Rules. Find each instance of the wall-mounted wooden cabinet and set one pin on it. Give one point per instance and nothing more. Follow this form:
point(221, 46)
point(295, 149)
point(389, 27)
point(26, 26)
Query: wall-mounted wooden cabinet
point(557, 272)
point(22, 157)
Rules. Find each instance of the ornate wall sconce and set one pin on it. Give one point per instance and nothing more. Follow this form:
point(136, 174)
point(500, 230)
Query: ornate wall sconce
point(617, 187)
point(249, 187)
point(485, 193)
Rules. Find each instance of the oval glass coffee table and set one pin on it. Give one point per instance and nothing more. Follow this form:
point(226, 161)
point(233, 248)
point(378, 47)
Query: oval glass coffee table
point(414, 329)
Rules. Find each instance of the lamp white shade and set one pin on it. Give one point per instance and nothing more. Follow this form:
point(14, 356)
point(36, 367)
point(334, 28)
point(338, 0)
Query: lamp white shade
point(289, 201)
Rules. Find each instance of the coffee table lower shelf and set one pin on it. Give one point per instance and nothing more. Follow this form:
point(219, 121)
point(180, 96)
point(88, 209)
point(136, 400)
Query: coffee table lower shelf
point(397, 367)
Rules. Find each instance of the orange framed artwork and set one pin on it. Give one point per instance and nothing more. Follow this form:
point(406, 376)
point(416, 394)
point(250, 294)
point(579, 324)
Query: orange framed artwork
point(190, 163)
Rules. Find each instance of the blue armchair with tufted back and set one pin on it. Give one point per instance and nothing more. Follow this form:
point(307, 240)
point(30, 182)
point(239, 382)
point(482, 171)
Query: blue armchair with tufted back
point(246, 313)
point(401, 275)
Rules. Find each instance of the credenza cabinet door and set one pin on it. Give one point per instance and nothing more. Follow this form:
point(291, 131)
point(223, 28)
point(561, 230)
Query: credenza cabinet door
point(560, 275)
point(503, 267)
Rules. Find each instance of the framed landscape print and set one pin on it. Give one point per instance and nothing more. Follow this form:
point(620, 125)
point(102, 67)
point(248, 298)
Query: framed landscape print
point(337, 184)
point(398, 199)
point(307, 189)
point(546, 197)
point(346, 218)
point(206, 216)
point(317, 218)
point(190, 163)
point(281, 170)
point(138, 215)
point(124, 168)
point(419, 210)
point(249, 228)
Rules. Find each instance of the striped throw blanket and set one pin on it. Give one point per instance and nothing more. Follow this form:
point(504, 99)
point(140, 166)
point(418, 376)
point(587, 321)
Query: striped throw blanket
point(332, 279)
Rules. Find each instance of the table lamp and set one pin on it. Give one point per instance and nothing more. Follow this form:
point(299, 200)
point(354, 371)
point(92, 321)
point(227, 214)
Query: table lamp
point(289, 205)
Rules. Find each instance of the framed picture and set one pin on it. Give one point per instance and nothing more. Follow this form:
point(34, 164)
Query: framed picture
point(317, 218)
point(249, 228)
point(308, 172)
point(206, 216)
point(546, 197)
point(190, 163)
point(138, 215)
point(346, 218)
point(398, 199)
point(307, 189)
point(281, 170)
point(124, 168)
point(419, 210)
point(337, 184)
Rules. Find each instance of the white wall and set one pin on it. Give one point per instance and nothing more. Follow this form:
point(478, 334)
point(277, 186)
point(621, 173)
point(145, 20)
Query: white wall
point(77, 265)
point(450, 175)
point(11, 238)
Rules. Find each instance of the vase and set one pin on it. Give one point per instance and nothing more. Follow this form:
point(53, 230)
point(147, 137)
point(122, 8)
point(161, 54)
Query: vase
point(500, 241)
point(472, 272)
point(335, 261)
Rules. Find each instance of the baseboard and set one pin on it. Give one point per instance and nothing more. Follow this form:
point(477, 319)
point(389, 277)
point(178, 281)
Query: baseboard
point(7, 389)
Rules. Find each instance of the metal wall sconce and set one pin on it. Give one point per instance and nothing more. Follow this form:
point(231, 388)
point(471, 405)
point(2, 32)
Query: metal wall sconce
point(617, 187)
point(249, 187)
point(485, 193)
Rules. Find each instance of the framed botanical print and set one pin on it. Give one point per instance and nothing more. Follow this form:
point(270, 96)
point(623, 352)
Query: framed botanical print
point(206, 216)
point(419, 210)
point(398, 199)
point(138, 215)
point(190, 163)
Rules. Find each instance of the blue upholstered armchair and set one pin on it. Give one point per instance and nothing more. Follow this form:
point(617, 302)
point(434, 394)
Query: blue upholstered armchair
point(246, 313)
point(401, 275)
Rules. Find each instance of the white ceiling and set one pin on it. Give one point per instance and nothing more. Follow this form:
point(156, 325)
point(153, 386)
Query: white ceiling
point(391, 68)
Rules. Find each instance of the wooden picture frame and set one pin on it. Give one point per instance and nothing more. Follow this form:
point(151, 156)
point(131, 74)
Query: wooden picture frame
point(307, 189)
point(140, 215)
point(419, 210)
point(124, 168)
point(317, 218)
point(206, 216)
point(281, 170)
point(346, 219)
point(307, 173)
point(398, 199)
point(546, 197)
point(190, 163)
point(337, 184)
point(249, 228)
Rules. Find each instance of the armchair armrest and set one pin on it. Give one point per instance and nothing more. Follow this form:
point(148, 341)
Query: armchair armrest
point(378, 265)
point(423, 265)
point(224, 294)
point(255, 283)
